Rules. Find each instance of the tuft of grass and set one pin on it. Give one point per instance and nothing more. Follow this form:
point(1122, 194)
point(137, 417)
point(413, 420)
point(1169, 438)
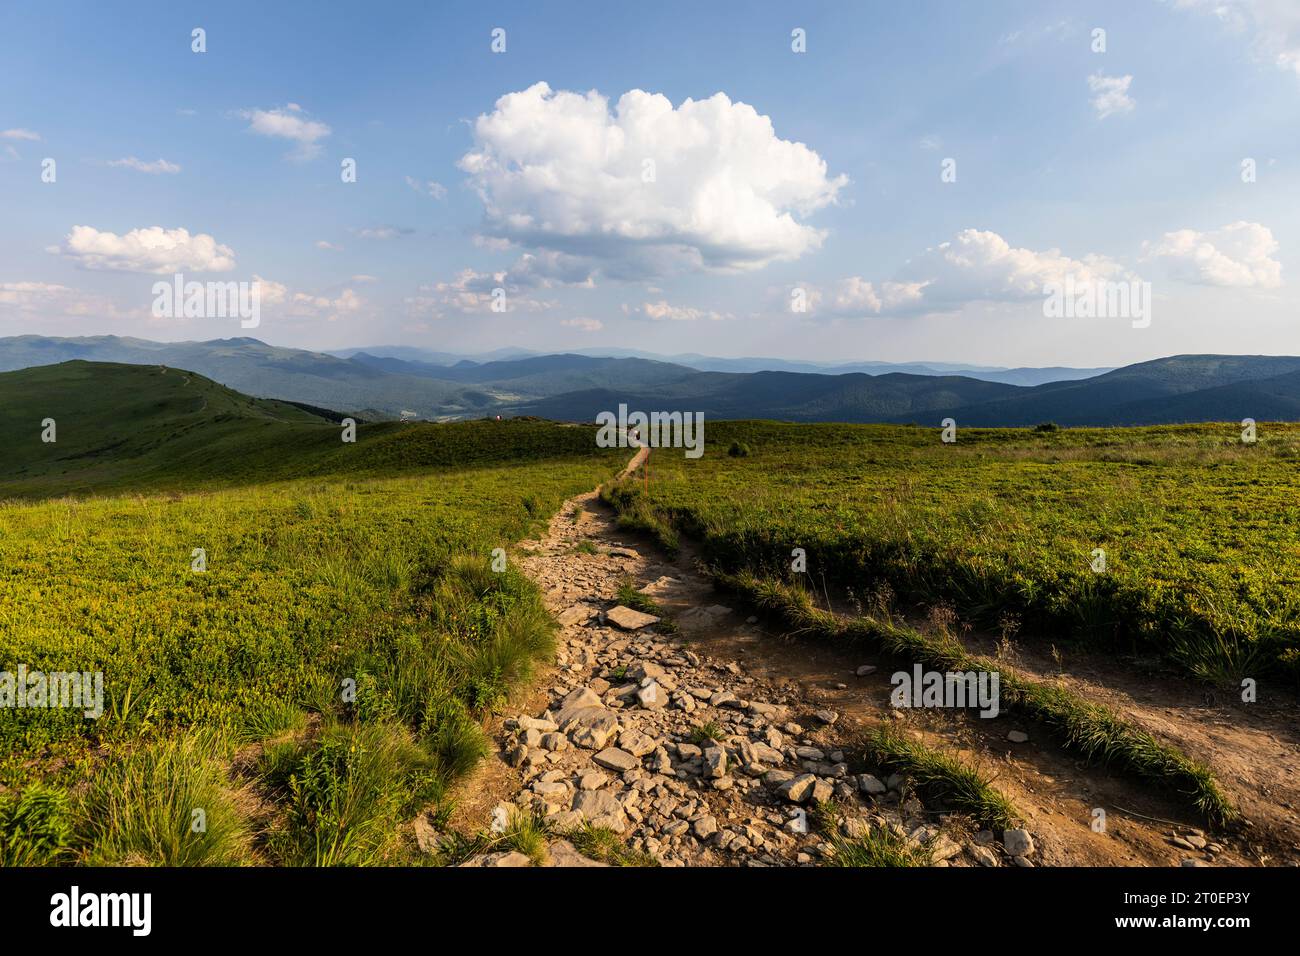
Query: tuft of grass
point(1091, 729)
point(640, 601)
point(880, 847)
point(707, 732)
point(346, 793)
point(524, 832)
point(635, 513)
point(586, 546)
point(606, 846)
point(168, 803)
point(942, 777)
point(36, 827)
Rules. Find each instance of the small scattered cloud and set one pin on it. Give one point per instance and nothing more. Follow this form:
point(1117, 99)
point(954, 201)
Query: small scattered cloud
point(1272, 26)
point(1056, 30)
point(291, 123)
point(583, 325)
point(472, 292)
point(36, 301)
point(155, 168)
point(975, 266)
point(21, 134)
point(427, 187)
point(328, 246)
point(288, 303)
point(1238, 255)
point(1110, 94)
point(383, 232)
point(661, 311)
point(150, 250)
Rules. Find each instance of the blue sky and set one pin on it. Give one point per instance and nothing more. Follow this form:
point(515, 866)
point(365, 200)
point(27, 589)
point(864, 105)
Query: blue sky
point(1122, 166)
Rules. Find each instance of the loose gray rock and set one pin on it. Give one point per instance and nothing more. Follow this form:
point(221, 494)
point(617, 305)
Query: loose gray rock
point(611, 758)
point(715, 762)
point(871, 785)
point(629, 620)
point(1017, 842)
point(798, 789)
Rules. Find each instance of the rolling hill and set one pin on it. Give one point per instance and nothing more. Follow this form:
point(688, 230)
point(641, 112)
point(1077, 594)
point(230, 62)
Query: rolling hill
point(786, 396)
point(1181, 388)
point(139, 426)
point(576, 387)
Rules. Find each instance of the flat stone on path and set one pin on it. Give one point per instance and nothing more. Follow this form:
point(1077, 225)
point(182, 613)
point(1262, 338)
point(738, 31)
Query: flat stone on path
point(562, 853)
point(628, 619)
point(578, 614)
point(612, 758)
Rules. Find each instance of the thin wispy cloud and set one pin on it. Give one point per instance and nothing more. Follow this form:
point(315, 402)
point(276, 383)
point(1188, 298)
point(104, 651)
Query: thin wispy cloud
point(155, 168)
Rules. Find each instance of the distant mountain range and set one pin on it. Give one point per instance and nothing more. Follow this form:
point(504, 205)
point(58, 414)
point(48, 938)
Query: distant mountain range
point(394, 382)
point(709, 363)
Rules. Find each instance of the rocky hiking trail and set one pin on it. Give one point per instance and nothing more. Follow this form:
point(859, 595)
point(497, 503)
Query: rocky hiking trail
point(707, 739)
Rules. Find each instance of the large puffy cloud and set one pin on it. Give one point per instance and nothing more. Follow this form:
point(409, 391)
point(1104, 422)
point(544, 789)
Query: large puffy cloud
point(1272, 25)
point(1240, 254)
point(975, 266)
point(153, 250)
point(646, 188)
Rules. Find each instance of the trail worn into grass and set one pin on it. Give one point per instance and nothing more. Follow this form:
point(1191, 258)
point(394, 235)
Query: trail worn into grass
point(1254, 748)
point(694, 751)
point(1058, 795)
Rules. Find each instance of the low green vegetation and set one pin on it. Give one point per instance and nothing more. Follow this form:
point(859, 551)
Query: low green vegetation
point(1093, 730)
point(1200, 534)
point(1004, 524)
point(941, 777)
point(292, 666)
point(629, 596)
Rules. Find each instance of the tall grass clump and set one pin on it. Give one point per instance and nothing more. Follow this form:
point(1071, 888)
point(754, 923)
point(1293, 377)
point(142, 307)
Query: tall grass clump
point(167, 803)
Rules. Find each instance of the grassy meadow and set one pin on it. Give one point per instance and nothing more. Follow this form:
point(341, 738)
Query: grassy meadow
point(1201, 532)
point(321, 681)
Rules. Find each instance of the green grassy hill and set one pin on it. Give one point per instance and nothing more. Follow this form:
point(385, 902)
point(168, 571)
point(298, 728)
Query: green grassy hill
point(135, 427)
point(338, 648)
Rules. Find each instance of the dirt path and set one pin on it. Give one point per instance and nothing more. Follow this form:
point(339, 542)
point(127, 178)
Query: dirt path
point(1253, 748)
point(582, 746)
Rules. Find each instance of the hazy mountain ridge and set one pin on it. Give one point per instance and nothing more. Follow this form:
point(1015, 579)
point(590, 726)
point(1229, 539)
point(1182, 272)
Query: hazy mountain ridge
point(576, 387)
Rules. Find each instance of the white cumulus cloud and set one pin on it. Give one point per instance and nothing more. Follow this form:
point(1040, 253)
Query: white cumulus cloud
point(1110, 94)
point(427, 187)
point(583, 325)
point(975, 266)
point(291, 123)
point(662, 311)
point(153, 250)
point(1240, 254)
point(473, 292)
point(646, 188)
